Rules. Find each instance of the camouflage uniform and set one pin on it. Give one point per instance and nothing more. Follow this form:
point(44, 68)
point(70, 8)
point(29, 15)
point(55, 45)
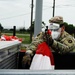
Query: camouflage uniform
point(32, 47)
point(66, 43)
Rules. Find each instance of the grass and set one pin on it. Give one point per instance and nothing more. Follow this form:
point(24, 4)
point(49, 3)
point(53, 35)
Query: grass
point(26, 39)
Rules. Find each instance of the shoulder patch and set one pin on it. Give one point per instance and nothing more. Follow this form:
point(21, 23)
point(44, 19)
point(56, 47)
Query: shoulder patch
point(69, 41)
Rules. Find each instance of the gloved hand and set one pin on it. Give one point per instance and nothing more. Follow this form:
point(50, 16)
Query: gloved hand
point(48, 38)
point(26, 59)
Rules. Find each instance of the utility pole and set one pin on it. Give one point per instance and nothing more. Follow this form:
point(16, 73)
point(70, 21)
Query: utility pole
point(53, 8)
point(38, 17)
point(14, 30)
point(31, 20)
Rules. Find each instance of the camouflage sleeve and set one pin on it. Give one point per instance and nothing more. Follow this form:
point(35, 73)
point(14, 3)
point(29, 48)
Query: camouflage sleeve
point(33, 46)
point(66, 45)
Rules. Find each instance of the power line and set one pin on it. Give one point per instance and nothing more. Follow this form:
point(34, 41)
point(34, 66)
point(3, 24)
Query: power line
point(13, 16)
point(57, 6)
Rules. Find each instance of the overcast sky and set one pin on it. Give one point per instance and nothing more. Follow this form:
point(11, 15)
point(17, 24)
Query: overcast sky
point(18, 12)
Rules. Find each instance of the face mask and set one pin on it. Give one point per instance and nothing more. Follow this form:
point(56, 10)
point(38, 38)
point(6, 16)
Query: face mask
point(59, 30)
point(55, 35)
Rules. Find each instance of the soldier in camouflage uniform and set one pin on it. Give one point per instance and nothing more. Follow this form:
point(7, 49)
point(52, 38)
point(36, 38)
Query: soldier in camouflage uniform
point(64, 44)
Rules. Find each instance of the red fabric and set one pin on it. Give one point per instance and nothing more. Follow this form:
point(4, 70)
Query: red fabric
point(11, 38)
point(7, 38)
point(16, 38)
point(49, 31)
point(44, 49)
point(23, 51)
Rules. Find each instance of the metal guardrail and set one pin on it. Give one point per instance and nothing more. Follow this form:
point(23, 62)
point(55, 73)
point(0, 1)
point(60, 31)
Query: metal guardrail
point(10, 62)
point(8, 54)
point(36, 72)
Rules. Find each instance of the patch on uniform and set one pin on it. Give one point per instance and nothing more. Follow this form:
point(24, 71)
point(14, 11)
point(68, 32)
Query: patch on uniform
point(69, 41)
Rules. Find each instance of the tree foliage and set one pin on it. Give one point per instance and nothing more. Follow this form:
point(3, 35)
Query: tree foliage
point(69, 28)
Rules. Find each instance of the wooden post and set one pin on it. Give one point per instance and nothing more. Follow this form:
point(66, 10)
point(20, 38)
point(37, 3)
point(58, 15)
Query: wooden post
point(14, 30)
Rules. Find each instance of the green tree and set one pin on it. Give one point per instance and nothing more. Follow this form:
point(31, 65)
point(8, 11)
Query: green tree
point(74, 31)
point(70, 28)
point(22, 30)
point(66, 26)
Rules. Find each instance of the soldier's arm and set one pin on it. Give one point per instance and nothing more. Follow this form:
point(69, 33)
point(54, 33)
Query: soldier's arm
point(33, 46)
point(63, 47)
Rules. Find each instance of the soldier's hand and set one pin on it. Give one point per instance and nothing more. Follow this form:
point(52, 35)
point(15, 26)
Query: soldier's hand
point(26, 59)
point(48, 39)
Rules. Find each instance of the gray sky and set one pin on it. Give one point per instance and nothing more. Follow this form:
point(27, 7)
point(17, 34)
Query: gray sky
point(18, 12)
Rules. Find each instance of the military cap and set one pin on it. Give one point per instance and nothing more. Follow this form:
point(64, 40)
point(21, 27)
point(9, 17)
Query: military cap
point(56, 19)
